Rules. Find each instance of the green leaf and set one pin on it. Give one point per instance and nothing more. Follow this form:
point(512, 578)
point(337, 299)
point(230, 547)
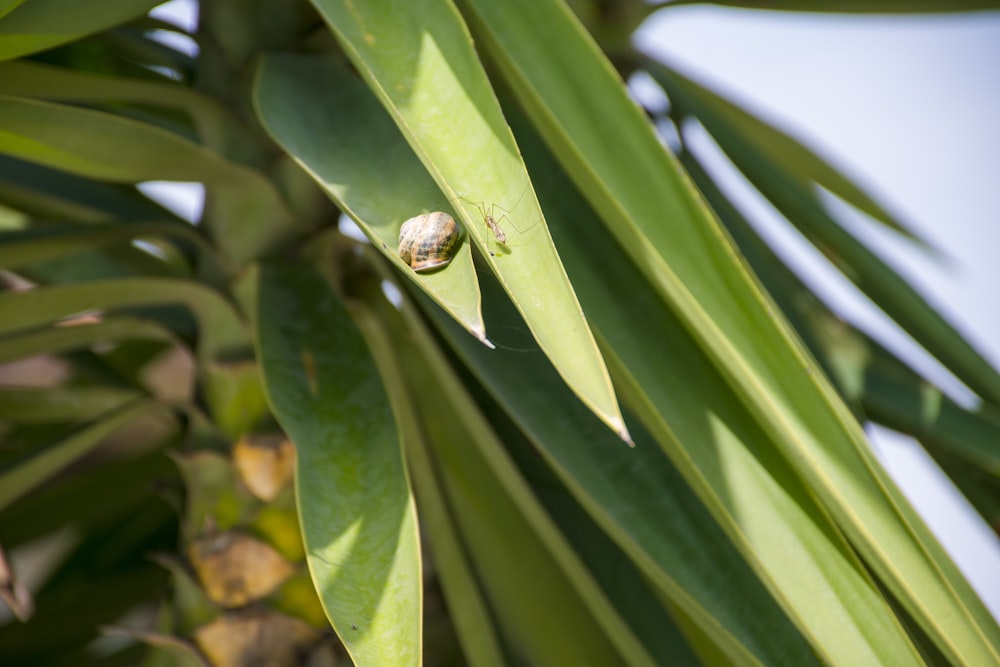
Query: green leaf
point(109, 147)
point(357, 515)
point(731, 466)
point(60, 404)
point(40, 244)
point(640, 501)
point(473, 624)
point(856, 6)
point(41, 24)
point(897, 397)
point(792, 196)
point(21, 477)
point(41, 81)
point(667, 232)
point(344, 139)
point(222, 331)
point(48, 193)
point(92, 496)
point(452, 562)
point(7, 6)
point(548, 604)
point(61, 339)
point(796, 162)
point(436, 91)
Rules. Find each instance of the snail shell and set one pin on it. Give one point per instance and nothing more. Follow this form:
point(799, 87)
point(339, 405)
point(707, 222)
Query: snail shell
point(428, 241)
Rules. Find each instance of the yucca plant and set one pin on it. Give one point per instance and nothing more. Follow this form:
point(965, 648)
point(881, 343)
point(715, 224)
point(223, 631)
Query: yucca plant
point(609, 427)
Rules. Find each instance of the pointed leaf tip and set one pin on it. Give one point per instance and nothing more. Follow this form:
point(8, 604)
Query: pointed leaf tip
point(622, 432)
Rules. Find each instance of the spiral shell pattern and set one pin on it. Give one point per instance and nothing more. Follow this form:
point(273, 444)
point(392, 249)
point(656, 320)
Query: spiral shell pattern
point(428, 241)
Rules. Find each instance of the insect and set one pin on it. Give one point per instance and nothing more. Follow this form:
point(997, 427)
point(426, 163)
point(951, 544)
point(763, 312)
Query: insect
point(489, 217)
point(492, 221)
point(428, 241)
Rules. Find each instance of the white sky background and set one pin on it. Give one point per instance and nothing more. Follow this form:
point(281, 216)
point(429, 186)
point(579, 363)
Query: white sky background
point(909, 106)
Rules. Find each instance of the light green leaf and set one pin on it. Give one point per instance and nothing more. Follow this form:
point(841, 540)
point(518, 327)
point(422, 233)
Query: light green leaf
point(473, 624)
point(796, 162)
point(797, 202)
point(341, 135)
point(456, 573)
point(667, 232)
point(41, 24)
point(418, 59)
point(756, 498)
point(356, 512)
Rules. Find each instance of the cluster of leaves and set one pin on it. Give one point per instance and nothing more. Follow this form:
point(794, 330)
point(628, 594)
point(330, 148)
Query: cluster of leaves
point(750, 493)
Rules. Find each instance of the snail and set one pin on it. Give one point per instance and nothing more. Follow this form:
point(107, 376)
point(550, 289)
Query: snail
point(428, 241)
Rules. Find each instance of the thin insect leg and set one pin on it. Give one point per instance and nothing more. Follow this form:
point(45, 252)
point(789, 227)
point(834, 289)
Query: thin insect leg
point(489, 218)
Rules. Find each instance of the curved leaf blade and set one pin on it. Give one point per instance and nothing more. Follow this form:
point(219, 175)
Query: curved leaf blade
point(796, 161)
point(40, 244)
point(859, 6)
point(355, 508)
point(250, 214)
point(344, 139)
point(41, 81)
point(222, 330)
point(651, 208)
point(542, 593)
point(54, 340)
point(22, 476)
point(41, 24)
point(33, 405)
point(437, 92)
point(741, 140)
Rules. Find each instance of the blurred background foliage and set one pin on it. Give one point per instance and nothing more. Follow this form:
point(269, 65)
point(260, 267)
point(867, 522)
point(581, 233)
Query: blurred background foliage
point(615, 429)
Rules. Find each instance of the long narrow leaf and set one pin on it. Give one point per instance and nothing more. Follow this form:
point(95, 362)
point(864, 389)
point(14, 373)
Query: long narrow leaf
point(60, 404)
point(345, 140)
point(23, 476)
point(544, 596)
point(891, 292)
point(46, 193)
point(30, 246)
point(40, 81)
point(41, 24)
point(60, 339)
point(221, 327)
point(857, 6)
point(434, 87)
point(666, 230)
point(104, 146)
point(355, 507)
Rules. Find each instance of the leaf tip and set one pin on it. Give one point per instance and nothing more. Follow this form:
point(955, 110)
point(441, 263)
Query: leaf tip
point(480, 335)
point(622, 431)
